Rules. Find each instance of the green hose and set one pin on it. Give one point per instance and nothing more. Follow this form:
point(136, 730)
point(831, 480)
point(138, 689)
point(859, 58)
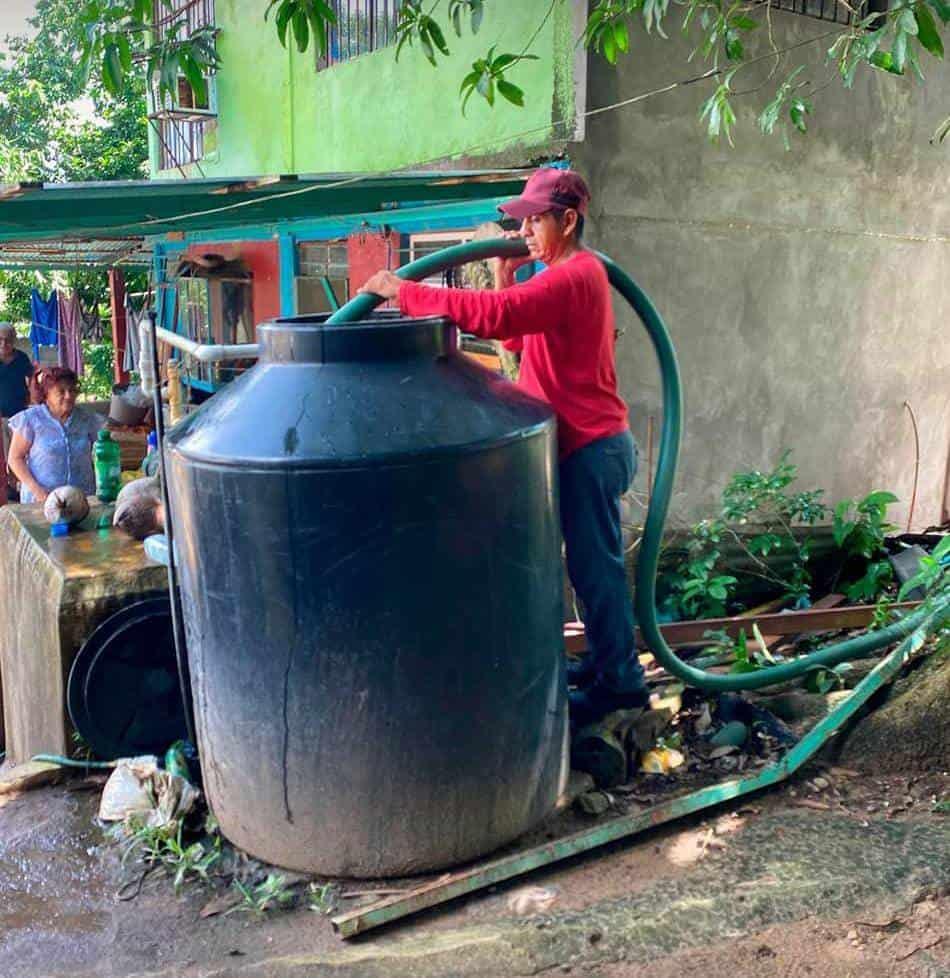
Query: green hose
point(71, 761)
point(650, 545)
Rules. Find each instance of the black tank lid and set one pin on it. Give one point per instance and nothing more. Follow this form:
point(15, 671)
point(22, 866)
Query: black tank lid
point(385, 336)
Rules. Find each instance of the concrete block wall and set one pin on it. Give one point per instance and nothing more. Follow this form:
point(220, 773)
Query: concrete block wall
point(807, 291)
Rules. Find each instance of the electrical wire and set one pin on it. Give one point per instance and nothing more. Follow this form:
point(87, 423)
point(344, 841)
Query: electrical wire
point(472, 150)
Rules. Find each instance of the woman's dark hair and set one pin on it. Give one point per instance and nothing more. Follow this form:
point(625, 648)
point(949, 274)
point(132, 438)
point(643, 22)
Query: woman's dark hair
point(46, 378)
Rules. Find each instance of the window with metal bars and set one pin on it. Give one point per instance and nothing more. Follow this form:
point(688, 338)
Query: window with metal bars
point(180, 123)
point(833, 10)
point(361, 26)
point(192, 14)
point(322, 284)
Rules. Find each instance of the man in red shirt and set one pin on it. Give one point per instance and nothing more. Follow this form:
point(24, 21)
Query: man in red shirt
point(563, 322)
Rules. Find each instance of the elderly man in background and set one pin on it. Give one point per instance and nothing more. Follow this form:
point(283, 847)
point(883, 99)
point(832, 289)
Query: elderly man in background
point(16, 369)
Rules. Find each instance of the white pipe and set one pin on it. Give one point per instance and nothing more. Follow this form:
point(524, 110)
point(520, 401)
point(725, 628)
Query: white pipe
point(208, 352)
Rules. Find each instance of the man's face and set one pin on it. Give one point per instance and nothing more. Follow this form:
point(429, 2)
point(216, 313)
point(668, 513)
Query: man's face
point(547, 235)
point(7, 346)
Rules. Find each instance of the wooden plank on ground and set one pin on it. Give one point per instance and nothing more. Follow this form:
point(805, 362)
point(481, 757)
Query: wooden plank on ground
point(31, 774)
point(783, 623)
point(828, 601)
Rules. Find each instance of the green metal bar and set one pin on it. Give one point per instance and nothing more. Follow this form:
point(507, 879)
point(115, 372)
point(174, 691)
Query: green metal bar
point(287, 260)
point(330, 294)
point(459, 884)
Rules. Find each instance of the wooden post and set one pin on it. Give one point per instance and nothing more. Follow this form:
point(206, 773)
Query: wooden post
point(120, 326)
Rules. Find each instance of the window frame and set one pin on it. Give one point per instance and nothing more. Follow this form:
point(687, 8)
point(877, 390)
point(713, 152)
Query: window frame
point(344, 9)
point(180, 129)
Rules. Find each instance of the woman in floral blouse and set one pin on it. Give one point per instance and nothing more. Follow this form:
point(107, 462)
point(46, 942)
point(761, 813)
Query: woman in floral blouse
point(52, 441)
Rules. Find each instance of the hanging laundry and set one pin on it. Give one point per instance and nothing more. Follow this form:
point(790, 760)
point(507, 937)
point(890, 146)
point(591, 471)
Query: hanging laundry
point(133, 317)
point(91, 325)
point(70, 332)
point(44, 331)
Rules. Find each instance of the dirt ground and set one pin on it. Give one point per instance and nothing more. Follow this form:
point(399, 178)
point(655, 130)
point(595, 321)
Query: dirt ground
point(914, 943)
point(834, 874)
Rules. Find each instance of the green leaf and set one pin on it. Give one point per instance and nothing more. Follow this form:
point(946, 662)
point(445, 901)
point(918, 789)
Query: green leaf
point(610, 48)
point(743, 23)
point(740, 667)
point(821, 680)
point(325, 11)
point(503, 61)
point(478, 12)
point(884, 61)
point(763, 645)
point(907, 22)
point(841, 531)
point(406, 37)
point(942, 549)
point(427, 49)
point(192, 72)
point(284, 15)
point(469, 81)
point(940, 133)
point(435, 32)
point(797, 112)
point(301, 30)
point(927, 32)
point(318, 17)
point(899, 50)
point(112, 69)
point(942, 9)
point(914, 61)
point(511, 92)
point(879, 498)
point(734, 49)
point(125, 53)
point(621, 36)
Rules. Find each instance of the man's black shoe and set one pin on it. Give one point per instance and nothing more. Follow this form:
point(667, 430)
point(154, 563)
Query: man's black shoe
point(591, 704)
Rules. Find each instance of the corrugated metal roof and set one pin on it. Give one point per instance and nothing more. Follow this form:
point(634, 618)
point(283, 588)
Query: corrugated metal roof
point(110, 222)
point(73, 253)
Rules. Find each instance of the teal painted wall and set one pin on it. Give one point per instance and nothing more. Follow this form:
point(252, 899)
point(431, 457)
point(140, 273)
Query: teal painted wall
point(278, 114)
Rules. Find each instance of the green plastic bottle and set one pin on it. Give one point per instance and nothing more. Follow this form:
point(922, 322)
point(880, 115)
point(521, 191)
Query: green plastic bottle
point(107, 460)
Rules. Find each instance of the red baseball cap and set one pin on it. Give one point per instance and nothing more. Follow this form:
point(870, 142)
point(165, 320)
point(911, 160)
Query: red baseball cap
point(549, 189)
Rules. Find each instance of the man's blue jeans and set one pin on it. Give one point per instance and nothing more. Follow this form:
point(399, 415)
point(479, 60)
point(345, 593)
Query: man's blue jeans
point(592, 481)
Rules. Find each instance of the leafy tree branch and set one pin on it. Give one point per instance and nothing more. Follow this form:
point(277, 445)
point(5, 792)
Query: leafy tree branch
point(728, 35)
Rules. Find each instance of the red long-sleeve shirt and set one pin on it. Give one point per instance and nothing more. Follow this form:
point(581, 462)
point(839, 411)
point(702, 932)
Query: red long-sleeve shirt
point(566, 321)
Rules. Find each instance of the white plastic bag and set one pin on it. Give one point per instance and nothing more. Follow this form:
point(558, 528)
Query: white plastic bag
point(139, 787)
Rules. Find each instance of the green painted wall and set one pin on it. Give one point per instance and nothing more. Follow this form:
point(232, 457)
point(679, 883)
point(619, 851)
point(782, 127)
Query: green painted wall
point(278, 114)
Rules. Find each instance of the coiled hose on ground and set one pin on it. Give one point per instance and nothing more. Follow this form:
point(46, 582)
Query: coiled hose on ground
point(650, 545)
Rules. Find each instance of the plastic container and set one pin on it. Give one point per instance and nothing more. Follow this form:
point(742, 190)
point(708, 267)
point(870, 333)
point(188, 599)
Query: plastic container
point(371, 585)
point(107, 460)
point(123, 412)
point(150, 462)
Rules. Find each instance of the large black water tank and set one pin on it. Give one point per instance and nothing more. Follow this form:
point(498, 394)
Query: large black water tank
point(367, 529)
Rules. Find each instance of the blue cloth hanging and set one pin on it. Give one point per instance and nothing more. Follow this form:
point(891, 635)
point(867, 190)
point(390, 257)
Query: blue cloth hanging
point(45, 328)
